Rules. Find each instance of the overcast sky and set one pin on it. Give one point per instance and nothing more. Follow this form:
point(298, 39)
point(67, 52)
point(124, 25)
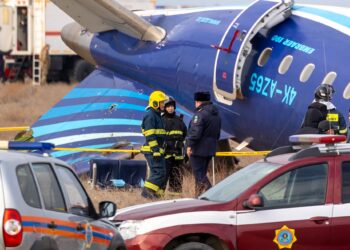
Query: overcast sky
point(243, 2)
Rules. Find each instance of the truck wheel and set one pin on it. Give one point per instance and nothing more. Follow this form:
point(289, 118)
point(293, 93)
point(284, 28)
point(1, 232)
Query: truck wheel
point(194, 246)
point(81, 70)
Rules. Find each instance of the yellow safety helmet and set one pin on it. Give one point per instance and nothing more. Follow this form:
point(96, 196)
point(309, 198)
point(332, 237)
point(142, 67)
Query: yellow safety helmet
point(156, 97)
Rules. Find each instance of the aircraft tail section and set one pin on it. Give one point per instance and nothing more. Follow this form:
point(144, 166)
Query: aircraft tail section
point(103, 111)
point(104, 15)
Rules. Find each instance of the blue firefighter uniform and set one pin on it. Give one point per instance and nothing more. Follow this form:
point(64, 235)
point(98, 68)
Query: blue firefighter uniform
point(154, 132)
point(203, 134)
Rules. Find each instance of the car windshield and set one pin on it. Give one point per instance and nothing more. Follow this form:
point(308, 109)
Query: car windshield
point(232, 186)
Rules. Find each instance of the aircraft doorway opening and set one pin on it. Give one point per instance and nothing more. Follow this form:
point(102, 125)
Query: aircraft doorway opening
point(235, 45)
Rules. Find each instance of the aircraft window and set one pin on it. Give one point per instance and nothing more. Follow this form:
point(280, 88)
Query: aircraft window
point(307, 72)
point(329, 78)
point(346, 93)
point(264, 57)
point(285, 64)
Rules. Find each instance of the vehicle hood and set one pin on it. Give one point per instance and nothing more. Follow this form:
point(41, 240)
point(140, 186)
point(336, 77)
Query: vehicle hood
point(153, 209)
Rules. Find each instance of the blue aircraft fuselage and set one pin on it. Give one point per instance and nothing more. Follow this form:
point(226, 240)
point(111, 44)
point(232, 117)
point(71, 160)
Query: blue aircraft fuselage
point(262, 90)
point(273, 105)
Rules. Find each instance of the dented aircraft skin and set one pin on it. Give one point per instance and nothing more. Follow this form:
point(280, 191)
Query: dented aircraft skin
point(195, 55)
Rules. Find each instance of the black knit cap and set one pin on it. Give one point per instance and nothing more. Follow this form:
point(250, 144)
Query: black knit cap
point(202, 96)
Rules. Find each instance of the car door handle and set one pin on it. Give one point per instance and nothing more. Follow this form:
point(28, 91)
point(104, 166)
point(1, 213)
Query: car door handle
point(320, 219)
point(80, 227)
point(52, 225)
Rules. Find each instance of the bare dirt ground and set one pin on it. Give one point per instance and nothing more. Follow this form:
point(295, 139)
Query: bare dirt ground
point(22, 104)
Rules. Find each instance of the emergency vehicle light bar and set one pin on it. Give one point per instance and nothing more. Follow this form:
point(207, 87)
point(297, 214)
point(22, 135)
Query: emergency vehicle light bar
point(312, 138)
point(21, 145)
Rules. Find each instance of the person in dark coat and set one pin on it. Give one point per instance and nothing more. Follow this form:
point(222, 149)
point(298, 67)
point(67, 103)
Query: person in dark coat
point(153, 149)
point(203, 134)
point(322, 113)
point(176, 131)
point(2, 68)
point(317, 110)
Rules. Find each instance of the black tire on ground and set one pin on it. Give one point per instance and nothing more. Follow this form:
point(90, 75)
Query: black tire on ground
point(194, 246)
point(81, 70)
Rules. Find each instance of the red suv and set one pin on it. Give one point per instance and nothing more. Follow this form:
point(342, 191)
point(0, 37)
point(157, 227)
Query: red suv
point(294, 198)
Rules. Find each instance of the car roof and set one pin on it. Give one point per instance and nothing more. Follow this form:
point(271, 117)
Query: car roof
point(279, 159)
point(284, 155)
point(25, 157)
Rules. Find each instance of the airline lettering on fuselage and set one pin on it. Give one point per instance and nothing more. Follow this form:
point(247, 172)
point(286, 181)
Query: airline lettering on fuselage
point(208, 20)
point(292, 44)
point(270, 88)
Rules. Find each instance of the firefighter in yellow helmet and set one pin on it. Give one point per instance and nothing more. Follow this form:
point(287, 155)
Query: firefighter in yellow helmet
point(154, 132)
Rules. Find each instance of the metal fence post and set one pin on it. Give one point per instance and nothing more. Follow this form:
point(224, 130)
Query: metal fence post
point(94, 176)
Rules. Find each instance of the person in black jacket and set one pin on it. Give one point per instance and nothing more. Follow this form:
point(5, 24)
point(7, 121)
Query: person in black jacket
point(153, 149)
point(317, 110)
point(322, 109)
point(202, 137)
point(2, 68)
point(174, 145)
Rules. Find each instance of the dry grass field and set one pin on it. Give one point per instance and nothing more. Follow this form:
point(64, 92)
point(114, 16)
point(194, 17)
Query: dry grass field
point(22, 104)
point(125, 198)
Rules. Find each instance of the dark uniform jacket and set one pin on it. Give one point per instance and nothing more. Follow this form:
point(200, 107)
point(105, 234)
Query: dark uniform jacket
point(204, 130)
point(153, 129)
point(315, 113)
point(176, 132)
point(318, 112)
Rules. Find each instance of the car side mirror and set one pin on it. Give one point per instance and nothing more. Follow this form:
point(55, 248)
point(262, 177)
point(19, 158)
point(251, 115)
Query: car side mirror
point(107, 209)
point(255, 201)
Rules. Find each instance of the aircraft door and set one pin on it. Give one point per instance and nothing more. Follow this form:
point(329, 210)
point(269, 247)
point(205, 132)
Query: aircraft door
point(6, 25)
point(235, 45)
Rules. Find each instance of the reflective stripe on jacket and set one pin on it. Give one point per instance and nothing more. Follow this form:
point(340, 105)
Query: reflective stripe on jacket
point(153, 130)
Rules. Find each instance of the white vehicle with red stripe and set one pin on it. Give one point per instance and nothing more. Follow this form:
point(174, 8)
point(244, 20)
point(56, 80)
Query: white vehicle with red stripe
point(294, 198)
point(43, 205)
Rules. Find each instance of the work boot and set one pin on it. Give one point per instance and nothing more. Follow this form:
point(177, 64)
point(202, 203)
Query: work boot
point(149, 194)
